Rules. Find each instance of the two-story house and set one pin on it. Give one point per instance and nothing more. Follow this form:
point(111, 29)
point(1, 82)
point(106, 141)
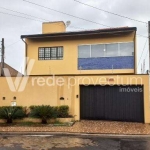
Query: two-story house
point(94, 72)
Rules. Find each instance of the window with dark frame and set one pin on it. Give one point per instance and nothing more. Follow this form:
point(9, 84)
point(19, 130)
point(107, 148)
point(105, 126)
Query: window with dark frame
point(50, 53)
point(106, 50)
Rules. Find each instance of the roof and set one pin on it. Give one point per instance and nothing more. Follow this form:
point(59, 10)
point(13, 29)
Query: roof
point(84, 32)
point(13, 72)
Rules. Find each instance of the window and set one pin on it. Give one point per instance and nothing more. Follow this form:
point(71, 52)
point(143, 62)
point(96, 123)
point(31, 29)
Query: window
point(106, 50)
point(127, 49)
point(53, 53)
point(111, 50)
point(50, 53)
point(98, 50)
point(47, 53)
point(84, 51)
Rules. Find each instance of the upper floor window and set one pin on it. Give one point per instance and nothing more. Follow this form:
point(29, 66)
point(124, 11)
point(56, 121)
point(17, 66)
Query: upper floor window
point(106, 50)
point(84, 51)
point(50, 53)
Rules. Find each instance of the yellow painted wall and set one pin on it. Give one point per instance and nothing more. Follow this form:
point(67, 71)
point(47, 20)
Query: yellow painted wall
point(53, 27)
point(69, 64)
point(45, 94)
point(35, 93)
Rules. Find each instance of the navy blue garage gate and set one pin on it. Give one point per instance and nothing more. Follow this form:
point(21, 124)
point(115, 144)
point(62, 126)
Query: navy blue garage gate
point(112, 103)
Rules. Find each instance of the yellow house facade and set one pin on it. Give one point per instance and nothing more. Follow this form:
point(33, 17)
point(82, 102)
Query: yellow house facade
point(74, 42)
point(94, 72)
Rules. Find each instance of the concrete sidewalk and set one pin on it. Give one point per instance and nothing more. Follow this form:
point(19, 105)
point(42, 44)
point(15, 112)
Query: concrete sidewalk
point(88, 127)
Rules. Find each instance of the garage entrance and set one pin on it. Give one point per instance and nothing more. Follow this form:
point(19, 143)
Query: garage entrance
point(116, 103)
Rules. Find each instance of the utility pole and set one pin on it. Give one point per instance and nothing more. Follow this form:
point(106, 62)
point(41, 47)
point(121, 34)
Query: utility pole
point(2, 57)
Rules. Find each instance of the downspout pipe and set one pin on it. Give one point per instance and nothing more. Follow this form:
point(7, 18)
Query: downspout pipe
point(135, 55)
point(26, 46)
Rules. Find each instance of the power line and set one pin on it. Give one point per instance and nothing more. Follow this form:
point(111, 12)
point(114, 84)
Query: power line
point(43, 19)
point(73, 15)
point(66, 13)
point(48, 20)
point(23, 13)
point(33, 19)
point(146, 53)
point(40, 18)
point(42, 22)
point(142, 51)
point(110, 12)
point(12, 43)
point(29, 16)
point(32, 16)
point(19, 16)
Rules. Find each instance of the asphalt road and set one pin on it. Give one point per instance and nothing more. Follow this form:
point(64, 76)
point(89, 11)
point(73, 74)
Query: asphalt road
point(61, 142)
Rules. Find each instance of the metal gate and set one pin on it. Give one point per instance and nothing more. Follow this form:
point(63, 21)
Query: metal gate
point(117, 103)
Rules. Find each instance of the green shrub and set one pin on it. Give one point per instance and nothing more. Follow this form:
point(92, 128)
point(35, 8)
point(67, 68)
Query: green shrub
point(32, 107)
point(44, 112)
point(26, 111)
point(63, 111)
point(10, 113)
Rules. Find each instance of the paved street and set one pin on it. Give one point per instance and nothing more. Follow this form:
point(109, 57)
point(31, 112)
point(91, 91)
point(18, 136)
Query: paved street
point(58, 142)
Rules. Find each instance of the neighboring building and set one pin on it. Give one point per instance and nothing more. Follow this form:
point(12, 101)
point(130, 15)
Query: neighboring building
point(66, 62)
point(13, 72)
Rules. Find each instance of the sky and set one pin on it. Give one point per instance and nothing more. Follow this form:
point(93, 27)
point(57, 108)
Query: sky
point(12, 27)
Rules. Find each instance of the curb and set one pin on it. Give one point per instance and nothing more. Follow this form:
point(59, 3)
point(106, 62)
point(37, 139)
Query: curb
point(73, 134)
